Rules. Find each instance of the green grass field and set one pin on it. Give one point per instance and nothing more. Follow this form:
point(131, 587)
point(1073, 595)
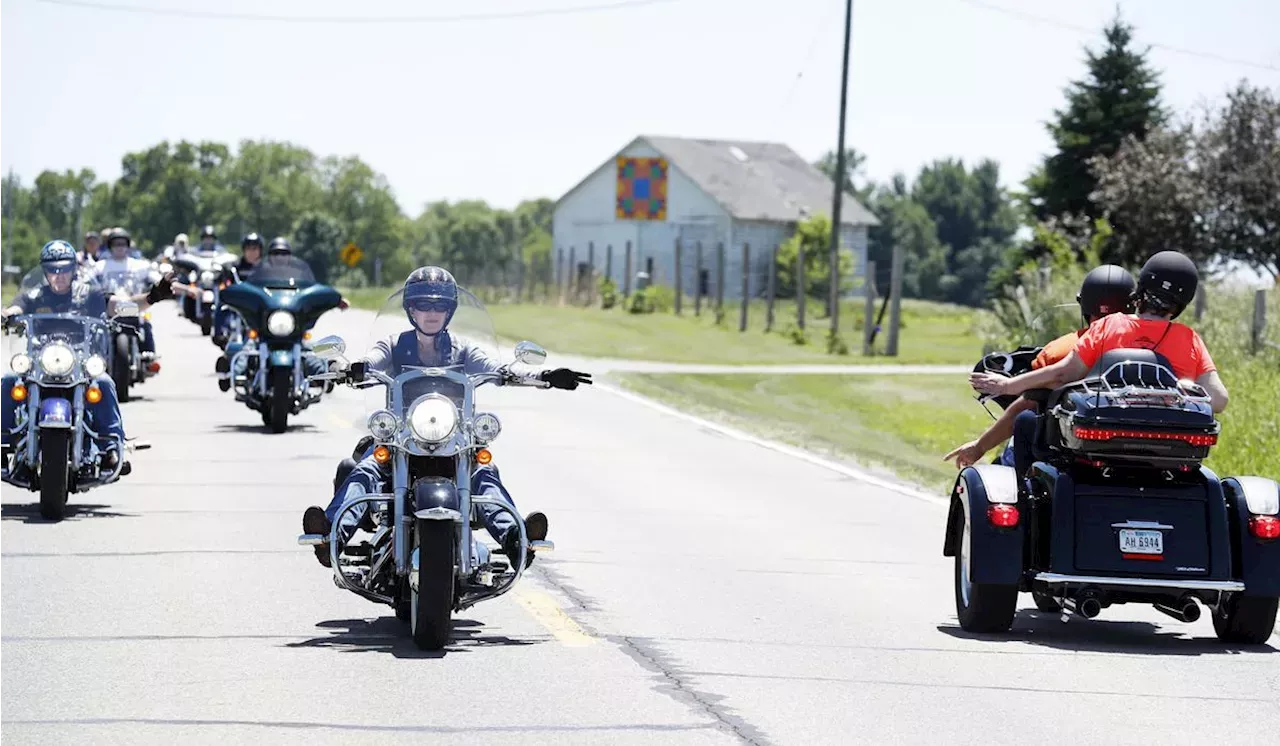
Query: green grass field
point(930, 333)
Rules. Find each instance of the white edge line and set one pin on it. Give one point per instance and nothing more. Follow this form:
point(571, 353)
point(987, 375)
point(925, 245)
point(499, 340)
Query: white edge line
point(801, 454)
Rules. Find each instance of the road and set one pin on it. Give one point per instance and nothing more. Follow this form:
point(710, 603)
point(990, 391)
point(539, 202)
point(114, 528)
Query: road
point(704, 590)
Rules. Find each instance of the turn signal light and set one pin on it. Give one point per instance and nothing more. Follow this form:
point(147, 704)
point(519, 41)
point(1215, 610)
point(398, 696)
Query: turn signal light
point(93, 394)
point(382, 454)
point(1002, 516)
point(306, 336)
point(483, 456)
point(18, 392)
point(1265, 526)
point(154, 367)
point(253, 334)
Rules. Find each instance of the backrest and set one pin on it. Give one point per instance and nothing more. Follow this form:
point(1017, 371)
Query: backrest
point(1137, 367)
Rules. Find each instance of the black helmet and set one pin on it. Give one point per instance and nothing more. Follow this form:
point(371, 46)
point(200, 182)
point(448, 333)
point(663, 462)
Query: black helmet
point(251, 238)
point(115, 233)
point(1105, 290)
point(1167, 283)
point(208, 232)
point(431, 287)
point(279, 245)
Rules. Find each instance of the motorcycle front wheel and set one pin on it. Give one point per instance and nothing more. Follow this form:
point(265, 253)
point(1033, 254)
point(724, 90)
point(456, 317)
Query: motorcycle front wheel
point(120, 370)
point(55, 468)
point(281, 399)
point(431, 605)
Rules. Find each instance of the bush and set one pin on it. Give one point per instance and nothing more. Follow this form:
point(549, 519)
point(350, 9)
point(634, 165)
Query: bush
point(652, 299)
point(608, 293)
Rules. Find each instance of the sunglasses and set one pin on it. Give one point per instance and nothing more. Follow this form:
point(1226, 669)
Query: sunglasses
point(430, 304)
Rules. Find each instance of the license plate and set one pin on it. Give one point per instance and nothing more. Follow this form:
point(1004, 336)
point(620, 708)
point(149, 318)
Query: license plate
point(1138, 541)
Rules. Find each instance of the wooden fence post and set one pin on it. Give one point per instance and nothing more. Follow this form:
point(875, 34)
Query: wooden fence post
point(1200, 302)
point(895, 299)
point(720, 282)
point(869, 324)
point(746, 286)
point(697, 281)
point(608, 262)
point(772, 289)
point(1259, 320)
point(679, 301)
point(573, 276)
point(561, 278)
point(591, 273)
point(800, 286)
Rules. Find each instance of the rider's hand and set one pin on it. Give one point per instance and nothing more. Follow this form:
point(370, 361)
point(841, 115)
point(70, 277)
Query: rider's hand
point(563, 378)
point(965, 455)
point(163, 289)
point(990, 383)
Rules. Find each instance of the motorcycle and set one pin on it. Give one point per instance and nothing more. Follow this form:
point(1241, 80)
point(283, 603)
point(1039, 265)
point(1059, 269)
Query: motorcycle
point(53, 450)
point(1118, 508)
point(201, 270)
point(423, 557)
point(278, 304)
point(129, 363)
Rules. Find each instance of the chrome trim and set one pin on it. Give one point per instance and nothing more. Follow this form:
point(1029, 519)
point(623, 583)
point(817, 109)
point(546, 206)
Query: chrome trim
point(1261, 495)
point(999, 482)
point(439, 514)
point(311, 540)
point(462, 482)
point(1143, 525)
point(1230, 586)
point(400, 521)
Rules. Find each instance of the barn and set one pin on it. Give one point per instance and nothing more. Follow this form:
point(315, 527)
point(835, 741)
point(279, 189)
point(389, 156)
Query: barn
point(658, 190)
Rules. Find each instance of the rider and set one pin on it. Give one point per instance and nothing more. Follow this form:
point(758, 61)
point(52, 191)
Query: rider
point(250, 255)
point(430, 299)
point(209, 241)
point(89, 254)
point(61, 293)
point(1105, 290)
point(1166, 286)
point(181, 244)
point(118, 261)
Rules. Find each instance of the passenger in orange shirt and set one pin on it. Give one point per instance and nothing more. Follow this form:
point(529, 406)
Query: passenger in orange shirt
point(1105, 290)
point(1166, 286)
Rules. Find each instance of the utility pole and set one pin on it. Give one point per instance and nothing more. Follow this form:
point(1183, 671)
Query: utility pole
point(838, 199)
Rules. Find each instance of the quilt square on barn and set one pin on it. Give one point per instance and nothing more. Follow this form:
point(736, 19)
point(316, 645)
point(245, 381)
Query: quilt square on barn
point(642, 189)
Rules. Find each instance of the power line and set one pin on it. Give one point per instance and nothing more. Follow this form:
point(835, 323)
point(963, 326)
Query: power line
point(459, 18)
point(1022, 16)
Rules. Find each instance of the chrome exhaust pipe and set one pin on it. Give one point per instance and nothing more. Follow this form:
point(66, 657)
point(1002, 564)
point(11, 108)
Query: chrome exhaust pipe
point(1184, 609)
point(1087, 607)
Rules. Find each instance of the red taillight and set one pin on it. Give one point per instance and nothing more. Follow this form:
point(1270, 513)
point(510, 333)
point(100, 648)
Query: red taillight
point(1002, 516)
point(1102, 433)
point(1265, 526)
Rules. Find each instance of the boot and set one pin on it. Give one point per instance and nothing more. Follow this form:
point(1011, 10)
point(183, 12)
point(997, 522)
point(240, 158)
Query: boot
point(535, 529)
point(314, 521)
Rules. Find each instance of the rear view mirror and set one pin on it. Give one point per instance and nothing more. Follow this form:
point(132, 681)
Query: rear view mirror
point(329, 348)
point(530, 353)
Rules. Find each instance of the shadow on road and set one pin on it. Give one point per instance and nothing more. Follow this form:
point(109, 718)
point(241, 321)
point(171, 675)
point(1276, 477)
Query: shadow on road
point(30, 513)
point(390, 635)
point(1106, 636)
point(239, 428)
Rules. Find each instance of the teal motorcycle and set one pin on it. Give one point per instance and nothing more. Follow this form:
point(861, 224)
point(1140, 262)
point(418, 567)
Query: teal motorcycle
point(277, 303)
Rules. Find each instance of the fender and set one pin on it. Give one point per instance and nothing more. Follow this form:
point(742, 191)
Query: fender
point(1257, 562)
point(281, 359)
point(995, 553)
point(436, 498)
point(233, 348)
point(55, 413)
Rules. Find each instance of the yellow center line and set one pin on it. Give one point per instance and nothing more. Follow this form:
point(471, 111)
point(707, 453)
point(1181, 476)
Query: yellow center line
point(543, 608)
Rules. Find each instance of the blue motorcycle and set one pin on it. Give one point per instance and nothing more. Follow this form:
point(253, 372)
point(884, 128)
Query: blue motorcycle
point(277, 304)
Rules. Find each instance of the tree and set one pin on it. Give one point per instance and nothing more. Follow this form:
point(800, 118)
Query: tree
point(814, 234)
point(1119, 98)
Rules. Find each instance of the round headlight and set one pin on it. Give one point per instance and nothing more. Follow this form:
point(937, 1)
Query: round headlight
point(281, 323)
point(382, 425)
point(433, 419)
point(206, 277)
point(95, 366)
point(20, 363)
point(487, 426)
point(57, 359)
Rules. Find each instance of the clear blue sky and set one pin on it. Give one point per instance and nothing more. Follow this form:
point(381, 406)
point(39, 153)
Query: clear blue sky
point(503, 110)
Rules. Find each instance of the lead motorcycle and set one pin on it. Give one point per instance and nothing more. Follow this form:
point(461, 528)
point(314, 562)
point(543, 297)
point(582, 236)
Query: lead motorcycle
point(421, 554)
point(276, 305)
point(53, 449)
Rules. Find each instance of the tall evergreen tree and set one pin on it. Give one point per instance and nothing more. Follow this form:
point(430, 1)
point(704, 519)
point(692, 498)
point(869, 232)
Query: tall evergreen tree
point(1119, 97)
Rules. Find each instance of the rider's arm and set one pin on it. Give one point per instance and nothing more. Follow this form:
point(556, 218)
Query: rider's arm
point(1216, 389)
point(1070, 368)
point(378, 357)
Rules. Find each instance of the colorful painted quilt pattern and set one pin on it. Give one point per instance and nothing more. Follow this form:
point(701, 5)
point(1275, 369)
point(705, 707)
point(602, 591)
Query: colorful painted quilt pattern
point(642, 189)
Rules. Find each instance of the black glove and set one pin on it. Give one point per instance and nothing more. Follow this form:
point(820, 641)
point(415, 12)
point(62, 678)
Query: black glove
point(563, 378)
point(355, 373)
point(163, 289)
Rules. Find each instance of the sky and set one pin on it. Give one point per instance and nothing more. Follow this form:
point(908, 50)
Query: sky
point(515, 108)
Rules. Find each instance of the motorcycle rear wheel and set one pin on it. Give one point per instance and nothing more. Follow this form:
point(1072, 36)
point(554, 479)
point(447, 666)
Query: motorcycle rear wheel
point(431, 606)
point(120, 372)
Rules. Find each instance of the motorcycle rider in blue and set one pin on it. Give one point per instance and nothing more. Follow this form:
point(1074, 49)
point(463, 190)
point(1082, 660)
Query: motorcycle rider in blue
point(430, 300)
point(120, 261)
point(250, 255)
point(61, 293)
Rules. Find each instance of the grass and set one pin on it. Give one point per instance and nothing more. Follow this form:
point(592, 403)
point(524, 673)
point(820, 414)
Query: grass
point(898, 425)
point(930, 332)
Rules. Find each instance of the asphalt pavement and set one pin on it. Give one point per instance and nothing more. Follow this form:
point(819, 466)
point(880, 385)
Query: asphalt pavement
point(705, 588)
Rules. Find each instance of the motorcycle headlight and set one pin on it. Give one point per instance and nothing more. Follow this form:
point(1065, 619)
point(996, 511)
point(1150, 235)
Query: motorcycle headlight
point(433, 419)
point(382, 425)
point(487, 427)
point(206, 277)
point(20, 363)
point(281, 323)
point(57, 359)
point(95, 366)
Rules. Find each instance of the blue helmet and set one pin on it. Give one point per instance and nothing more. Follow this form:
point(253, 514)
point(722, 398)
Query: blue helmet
point(430, 288)
point(58, 256)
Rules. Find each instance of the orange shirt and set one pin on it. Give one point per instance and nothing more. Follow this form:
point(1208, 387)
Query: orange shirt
point(1178, 342)
point(1056, 350)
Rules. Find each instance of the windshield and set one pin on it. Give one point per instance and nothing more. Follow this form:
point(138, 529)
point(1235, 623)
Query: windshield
point(123, 282)
point(281, 272)
point(470, 328)
point(1053, 322)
